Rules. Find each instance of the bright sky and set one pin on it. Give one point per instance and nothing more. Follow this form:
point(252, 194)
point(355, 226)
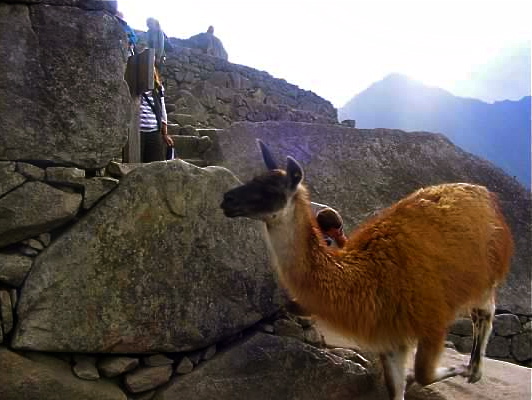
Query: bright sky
point(337, 48)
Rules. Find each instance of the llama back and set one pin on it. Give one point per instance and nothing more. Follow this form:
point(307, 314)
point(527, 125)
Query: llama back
point(438, 251)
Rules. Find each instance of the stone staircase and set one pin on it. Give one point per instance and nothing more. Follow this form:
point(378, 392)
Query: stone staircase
point(198, 146)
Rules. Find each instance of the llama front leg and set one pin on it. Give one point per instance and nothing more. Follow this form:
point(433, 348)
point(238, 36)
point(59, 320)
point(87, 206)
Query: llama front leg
point(482, 326)
point(426, 361)
point(393, 364)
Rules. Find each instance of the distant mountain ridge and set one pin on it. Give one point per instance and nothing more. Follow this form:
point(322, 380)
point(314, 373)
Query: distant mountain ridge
point(498, 132)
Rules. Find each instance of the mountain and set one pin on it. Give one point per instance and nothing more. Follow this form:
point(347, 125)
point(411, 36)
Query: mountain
point(504, 76)
point(498, 132)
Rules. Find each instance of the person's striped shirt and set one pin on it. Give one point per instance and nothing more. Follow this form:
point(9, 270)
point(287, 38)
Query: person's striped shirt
point(148, 120)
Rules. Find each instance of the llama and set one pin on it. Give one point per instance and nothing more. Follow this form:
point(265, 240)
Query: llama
point(401, 278)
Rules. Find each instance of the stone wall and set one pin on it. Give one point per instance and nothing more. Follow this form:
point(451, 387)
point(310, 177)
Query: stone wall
point(207, 91)
point(56, 89)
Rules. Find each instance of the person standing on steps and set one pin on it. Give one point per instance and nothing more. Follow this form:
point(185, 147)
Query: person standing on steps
point(130, 32)
point(155, 40)
point(154, 138)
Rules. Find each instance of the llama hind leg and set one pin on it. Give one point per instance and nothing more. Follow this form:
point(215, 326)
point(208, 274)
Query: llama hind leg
point(426, 362)
point(482, 325)
point(393, 364)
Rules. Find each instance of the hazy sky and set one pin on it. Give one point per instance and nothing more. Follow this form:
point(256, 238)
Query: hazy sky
point(337, 48)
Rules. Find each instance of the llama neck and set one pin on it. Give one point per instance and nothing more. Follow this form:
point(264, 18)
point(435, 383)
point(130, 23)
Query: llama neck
point(296, 242)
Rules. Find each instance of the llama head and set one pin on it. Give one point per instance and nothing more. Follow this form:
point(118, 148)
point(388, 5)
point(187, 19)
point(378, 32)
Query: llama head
point(267, 196)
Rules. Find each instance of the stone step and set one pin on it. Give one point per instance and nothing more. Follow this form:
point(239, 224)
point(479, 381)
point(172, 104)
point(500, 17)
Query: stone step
point(182, 119)
point(191, 147)
point(173, 129)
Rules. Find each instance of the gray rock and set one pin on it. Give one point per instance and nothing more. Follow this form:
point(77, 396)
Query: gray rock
point(14, 298)
point(207, 43)
point(286, 327)
point(146, 271)
point(85, 367)
point(96, 188)
point(34, 244)
point(14, 268)
point(182, 119)
point(6, 311)
point(506, 324)
point(28, 251)
point(143, 379)
point(464, 344)
point(498, 347)
point(304, 321)
point(70, 122)
point(184, 366)
point(266, 367)
point(266, 328)
point(208, 353)
point(188, 130)
point(379, 167)
point(114, 366)
point(191, 146)
point(522, 346)
point(119, 170)
point(462, 327)
point(157, 360)
point(64, 175)
point(194, 357)
point(31, 171)
point(449, 345)
point(142, 396)
point(351, 123)
point(34, 208)
point(45, 377)
point(453, 338)
point(500, 381)
point(313, 336)
point(9, 179)
point(109, 5)
point(45, 239)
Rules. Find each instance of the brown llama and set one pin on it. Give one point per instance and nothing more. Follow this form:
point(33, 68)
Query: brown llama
point(402, 277)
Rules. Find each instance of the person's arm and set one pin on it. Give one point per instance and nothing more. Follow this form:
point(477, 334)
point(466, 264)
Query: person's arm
point(164, 124)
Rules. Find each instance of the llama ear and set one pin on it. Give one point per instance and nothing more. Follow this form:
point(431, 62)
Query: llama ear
point(294, 172)
point(267, 155)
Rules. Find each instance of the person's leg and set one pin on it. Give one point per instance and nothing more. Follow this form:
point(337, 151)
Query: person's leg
point(142, 146)
point(154, 147)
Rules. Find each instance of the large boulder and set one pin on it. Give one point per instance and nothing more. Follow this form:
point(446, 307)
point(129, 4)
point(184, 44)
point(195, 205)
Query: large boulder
point(154, 267)
point(43, 377)
point(500, 381)
point(63, 98)
point(265, 367)
point(208, 43)
point(359, 171)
